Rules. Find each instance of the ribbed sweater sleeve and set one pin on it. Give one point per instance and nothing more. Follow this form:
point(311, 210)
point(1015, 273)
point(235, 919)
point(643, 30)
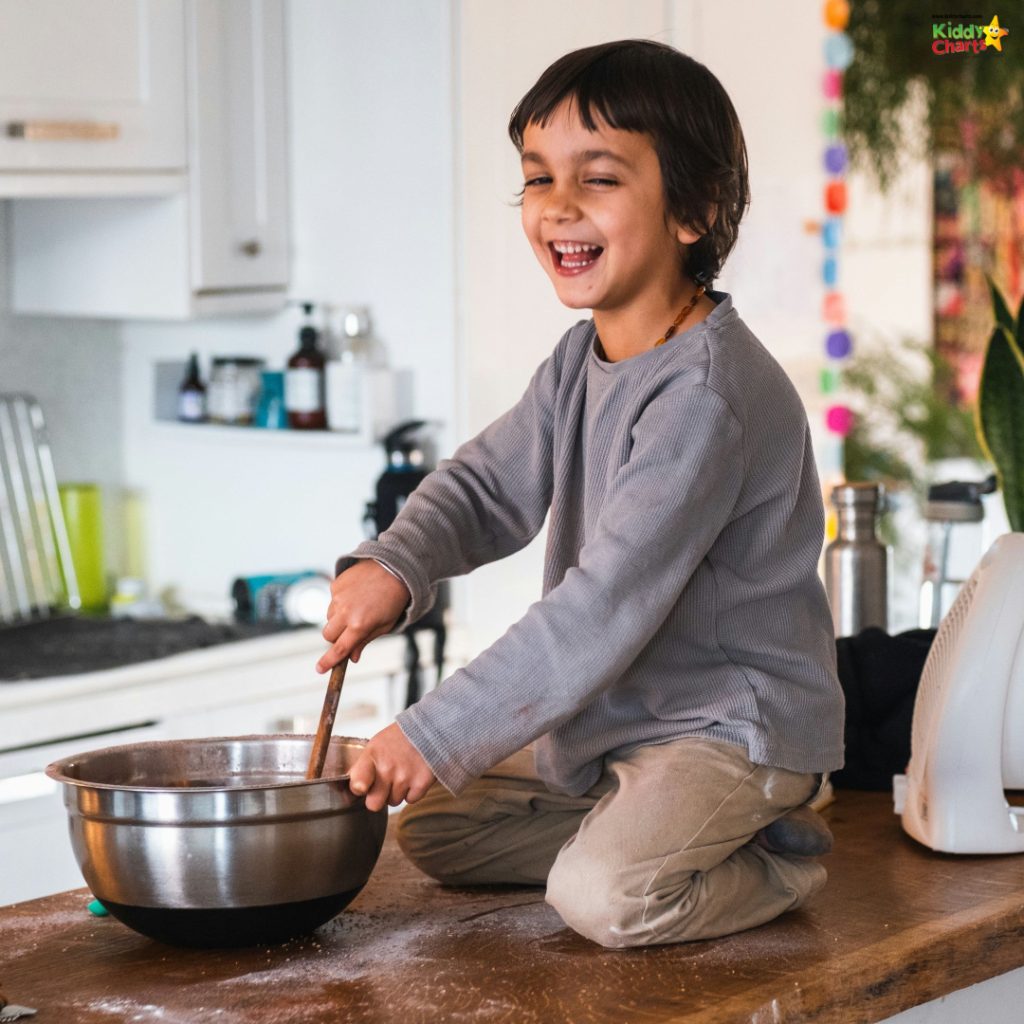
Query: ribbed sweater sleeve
point(662, 513)
point(487, 501)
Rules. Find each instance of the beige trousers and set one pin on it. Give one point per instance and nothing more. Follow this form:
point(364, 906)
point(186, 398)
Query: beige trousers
point(657, 851)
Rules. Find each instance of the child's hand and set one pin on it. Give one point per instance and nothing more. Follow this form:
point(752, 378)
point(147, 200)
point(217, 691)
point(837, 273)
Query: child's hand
point(390, 770)
point(366, 602)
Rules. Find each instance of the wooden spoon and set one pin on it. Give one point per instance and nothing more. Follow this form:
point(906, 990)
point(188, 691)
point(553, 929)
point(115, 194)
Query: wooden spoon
point(318, 755)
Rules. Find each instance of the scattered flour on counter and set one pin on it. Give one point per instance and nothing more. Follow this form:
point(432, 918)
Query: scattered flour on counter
point(134, 1010)
point(47, 923)
point(362, 951)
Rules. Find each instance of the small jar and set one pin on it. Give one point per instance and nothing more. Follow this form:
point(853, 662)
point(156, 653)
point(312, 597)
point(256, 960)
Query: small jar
point(233, 389)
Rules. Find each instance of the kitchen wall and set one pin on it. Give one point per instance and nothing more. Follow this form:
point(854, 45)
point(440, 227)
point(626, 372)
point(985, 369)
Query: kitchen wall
point(401, 180)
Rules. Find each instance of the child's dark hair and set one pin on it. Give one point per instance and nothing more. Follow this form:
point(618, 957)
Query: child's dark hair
point(642, 86)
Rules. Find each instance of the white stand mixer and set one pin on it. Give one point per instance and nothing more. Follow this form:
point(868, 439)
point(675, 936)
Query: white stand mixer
point(967, 739)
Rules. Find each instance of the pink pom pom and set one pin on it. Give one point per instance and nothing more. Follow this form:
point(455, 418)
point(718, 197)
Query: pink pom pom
point(839, 419)
point(834, 310)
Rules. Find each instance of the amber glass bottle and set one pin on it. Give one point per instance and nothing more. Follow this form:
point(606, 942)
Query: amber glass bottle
point(304, 380)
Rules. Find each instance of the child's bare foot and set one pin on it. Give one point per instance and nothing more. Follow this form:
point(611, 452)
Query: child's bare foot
point(799, 833)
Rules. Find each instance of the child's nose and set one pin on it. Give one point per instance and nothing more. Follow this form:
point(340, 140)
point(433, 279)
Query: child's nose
point(560, 204)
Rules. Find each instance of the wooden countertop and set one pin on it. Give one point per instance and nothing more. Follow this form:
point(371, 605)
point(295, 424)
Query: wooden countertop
point(897, 925)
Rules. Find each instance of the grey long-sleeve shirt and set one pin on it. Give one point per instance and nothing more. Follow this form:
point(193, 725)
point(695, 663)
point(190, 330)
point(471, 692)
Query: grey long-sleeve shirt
point(680, 594)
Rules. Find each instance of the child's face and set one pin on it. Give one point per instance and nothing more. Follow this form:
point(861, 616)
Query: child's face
point(605, 189)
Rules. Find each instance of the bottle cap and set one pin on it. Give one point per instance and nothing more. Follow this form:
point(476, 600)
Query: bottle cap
point(958, 501)
point(859, 494)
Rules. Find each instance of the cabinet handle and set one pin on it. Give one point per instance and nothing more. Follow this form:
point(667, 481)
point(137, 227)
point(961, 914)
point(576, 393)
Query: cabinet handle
point(251, 248)
point(61, 131)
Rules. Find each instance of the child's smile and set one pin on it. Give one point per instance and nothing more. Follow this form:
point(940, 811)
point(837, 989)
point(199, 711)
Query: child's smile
point(572, 258)
point(594, 212)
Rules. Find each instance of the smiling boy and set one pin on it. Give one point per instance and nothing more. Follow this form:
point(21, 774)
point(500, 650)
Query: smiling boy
point(643, 739)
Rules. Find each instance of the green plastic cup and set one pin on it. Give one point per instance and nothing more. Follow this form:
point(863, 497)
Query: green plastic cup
point(83, 514)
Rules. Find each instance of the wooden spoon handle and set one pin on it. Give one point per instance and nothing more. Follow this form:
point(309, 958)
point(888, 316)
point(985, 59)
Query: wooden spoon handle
point(322, 740)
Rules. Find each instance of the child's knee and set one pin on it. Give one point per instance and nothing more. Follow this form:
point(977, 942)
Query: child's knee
point(420, 839)
point(594, 903)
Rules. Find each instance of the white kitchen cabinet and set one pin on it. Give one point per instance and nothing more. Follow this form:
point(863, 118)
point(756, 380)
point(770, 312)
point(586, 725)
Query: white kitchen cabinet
point(37, 859)
point(96, 87)
point(218, 242)
point(238, 153)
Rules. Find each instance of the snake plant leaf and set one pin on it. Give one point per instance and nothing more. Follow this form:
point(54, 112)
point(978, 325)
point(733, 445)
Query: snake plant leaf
point(1000, 306)
point(1000, 418)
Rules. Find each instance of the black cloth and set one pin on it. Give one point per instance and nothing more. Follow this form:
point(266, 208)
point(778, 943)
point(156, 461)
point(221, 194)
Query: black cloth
point(66, 645)
point(879, 674)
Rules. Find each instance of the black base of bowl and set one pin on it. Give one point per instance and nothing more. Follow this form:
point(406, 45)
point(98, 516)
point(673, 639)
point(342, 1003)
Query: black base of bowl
point(231, 926)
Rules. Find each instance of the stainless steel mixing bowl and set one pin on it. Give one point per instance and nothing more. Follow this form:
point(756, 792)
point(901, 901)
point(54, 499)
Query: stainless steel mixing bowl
point(222, 841)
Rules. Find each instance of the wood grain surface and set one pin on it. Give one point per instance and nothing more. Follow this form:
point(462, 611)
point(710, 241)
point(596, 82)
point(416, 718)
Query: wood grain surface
point(896, 925)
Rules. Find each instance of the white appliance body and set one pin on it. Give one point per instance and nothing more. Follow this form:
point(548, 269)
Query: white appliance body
point(967, 741)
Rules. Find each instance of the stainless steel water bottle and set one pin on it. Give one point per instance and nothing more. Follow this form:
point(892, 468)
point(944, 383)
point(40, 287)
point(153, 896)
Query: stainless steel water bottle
point(856, 562)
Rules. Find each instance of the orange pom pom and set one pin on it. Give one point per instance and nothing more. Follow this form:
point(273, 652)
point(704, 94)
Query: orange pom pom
point(837, 14)
point(835, 196)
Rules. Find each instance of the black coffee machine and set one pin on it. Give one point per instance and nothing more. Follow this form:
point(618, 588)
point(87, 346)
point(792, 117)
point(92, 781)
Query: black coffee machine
point(406, 468)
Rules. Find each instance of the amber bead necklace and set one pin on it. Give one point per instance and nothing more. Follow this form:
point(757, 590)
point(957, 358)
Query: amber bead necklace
point(683, 314)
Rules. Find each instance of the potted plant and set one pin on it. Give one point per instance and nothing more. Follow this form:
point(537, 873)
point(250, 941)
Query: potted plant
point(972, 102)
point(999, 410)
point(904, 422)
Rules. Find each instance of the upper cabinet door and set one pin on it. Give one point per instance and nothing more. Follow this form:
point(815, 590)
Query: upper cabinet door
point(97, 86)
point(238, 158)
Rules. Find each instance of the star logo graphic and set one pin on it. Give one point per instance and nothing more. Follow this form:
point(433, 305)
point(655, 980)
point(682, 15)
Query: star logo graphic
point(994, 34)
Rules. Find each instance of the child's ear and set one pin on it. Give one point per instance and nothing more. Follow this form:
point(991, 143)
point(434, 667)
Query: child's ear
point(687, 236)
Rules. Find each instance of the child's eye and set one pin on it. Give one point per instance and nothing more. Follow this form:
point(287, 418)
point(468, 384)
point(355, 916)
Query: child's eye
point(544, 180)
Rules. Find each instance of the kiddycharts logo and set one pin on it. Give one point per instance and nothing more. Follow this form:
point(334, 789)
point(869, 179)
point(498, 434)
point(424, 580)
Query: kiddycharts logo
point(966, 33)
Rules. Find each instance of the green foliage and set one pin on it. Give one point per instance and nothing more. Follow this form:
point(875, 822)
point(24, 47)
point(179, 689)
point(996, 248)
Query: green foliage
point(892, 56)
point(904, 419)
point(999, 413)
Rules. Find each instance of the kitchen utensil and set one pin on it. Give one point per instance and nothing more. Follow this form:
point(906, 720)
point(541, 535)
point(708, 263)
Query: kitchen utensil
point(220, 841)
point(34, 548)
point(318, 754)
point(967, 742)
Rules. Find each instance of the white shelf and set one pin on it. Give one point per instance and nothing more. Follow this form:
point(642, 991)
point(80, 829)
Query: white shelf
point(258, 436)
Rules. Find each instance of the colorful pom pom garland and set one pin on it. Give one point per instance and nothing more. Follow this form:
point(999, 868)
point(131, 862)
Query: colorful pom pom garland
point(839, 418)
